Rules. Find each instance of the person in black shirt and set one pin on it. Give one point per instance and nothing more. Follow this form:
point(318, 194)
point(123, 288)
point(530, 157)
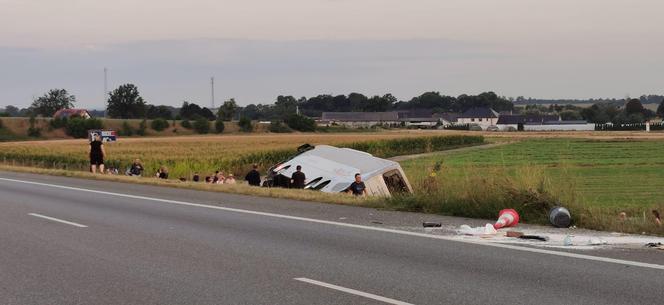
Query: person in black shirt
point(298, 178)
point(357, 188)
point(136, 169)
point(97, 154)
point(254, 177)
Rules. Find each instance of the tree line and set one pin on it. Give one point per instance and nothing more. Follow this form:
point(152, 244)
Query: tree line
point(125, 102)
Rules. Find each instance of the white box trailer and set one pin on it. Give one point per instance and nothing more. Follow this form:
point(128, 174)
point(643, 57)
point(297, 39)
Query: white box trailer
point(331, 169)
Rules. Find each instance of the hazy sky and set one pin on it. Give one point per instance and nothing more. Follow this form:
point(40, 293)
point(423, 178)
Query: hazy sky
point(260, 49)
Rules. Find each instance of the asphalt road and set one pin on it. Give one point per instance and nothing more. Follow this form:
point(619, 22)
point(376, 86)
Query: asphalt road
point(148, 245)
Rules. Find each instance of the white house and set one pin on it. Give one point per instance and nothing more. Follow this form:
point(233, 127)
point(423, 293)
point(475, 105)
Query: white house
point(483, 117)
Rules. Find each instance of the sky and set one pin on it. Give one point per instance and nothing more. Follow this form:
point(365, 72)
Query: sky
point(259, 49)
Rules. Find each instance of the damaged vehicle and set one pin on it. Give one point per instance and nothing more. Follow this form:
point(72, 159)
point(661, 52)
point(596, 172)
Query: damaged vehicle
point(331, 169)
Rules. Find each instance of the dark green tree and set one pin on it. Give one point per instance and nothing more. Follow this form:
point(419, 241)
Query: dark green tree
point(660, 109)
point(245, 124)
point(633, 106)
point(159, 124)
point(219, 125)
point(300, 123)
point(202, 125)
point(52, 101)
point(228, 110)
point(125, 102)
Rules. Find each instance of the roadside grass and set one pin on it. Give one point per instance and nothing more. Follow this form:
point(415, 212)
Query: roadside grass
point(240, 188)
point(596, 180)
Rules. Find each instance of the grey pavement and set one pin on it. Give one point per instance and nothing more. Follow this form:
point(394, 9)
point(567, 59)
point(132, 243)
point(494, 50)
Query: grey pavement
point(142, 251)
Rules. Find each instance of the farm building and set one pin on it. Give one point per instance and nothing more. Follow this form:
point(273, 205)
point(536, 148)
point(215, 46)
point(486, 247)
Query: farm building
point(480, 116)
point(416, 117)
point(71, 113)
point(517, 121)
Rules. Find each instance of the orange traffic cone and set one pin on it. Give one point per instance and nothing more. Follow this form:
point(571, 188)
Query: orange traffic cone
point(507, 218)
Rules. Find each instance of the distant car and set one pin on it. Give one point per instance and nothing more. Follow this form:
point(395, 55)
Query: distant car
point(493, 128)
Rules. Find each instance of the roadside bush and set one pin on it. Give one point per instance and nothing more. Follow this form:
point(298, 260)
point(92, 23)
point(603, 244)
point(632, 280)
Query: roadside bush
point(33, 131)
point(78, 127)
point(279, 127)
point(300, 123)
point(142, 127)
point(245, 124)
point(58, 123)
point(159, 124)
point(202, 125)
point(185, 124)
point(1, 125)
point(126, 130)
point(219, 126)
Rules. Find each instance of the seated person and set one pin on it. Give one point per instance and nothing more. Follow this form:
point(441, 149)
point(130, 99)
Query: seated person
point(136, 169)
point(162, 173)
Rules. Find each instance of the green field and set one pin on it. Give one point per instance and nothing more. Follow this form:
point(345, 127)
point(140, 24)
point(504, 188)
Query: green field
point(602, 173)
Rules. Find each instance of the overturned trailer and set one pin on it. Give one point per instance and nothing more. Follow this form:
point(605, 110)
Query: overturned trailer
point(332, 169)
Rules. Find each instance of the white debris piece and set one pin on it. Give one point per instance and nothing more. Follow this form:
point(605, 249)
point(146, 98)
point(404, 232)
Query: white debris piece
point(486, 230)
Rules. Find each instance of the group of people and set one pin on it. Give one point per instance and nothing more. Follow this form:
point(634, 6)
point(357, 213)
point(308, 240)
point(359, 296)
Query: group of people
point(218, 178)
point(298, 179)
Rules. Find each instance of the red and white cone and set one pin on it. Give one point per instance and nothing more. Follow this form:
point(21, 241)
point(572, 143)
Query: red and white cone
point(507, 218)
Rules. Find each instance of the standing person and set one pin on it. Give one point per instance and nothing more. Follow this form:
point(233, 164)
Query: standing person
point(357, 188)
point(97, 154)
point(298, 178)
point(253, 177)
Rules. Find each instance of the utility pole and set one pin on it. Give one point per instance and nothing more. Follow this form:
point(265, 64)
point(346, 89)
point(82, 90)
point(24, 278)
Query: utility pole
point(212, 91)
point(105, 83)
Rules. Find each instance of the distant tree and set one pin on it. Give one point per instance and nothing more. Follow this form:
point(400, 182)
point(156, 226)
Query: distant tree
point(570, 115)
point(660, 109)
point(185, 124)
point(633, 106)
point(228, 110)
point(161, 111)
point(245, 124)
point(219, 125)
point(285, 106)
point(159, 124)
point(202, 125)
point(142, 127)
point(12, 110)
point(251, 111)
point(52, 101)
point(78, 127)
point(33, 130)
point(126, 129)
point(125, 102)
point(300, 123)
point(191, 111)
point(278, 127)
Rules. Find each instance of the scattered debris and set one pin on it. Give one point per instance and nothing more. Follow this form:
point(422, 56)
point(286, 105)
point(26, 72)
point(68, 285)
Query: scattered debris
point(507, 218)
point(560, 217)
point(427, 224)
point(654, 245)
point(342, 218)
point(596, 241)
point(488, 229)
point(377, 222)
point(568, 241)
point(535, 237)
point(514, 234)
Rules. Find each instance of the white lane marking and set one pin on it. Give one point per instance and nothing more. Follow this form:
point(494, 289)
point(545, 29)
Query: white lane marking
point(349, 225)
point(58, 220)
point(352, 291)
